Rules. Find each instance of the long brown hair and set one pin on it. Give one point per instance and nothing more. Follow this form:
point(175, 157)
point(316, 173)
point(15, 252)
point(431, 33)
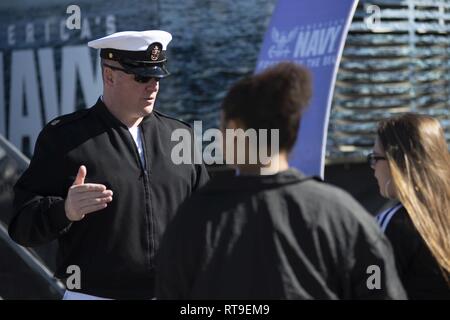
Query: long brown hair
point(419, 161)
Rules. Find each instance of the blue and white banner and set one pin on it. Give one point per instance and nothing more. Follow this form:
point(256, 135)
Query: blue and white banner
point(311, 33)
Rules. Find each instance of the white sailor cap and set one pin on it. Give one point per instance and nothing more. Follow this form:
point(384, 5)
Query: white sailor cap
point(139, 52)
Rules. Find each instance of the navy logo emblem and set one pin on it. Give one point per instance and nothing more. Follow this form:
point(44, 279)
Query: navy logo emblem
point(155, 53)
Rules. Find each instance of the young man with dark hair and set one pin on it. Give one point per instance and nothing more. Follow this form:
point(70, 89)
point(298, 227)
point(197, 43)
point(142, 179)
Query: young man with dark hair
point(273, 234)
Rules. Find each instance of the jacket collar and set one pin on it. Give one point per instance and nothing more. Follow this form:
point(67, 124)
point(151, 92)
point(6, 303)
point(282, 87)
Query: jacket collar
point(101, 109)
point(247, 182)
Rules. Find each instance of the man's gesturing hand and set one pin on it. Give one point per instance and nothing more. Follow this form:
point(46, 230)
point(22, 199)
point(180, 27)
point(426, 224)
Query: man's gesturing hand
point(84, 198)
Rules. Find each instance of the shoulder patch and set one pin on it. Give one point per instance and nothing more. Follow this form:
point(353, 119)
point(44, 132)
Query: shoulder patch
point(171, 117)
point(67, 118)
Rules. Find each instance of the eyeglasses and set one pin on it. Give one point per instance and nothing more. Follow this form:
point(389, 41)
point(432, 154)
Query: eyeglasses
point(137, 78)
point(372, 159)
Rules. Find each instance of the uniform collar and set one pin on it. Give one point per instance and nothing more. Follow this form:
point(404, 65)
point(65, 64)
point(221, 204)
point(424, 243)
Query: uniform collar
point(252, 182)
point(103, 111)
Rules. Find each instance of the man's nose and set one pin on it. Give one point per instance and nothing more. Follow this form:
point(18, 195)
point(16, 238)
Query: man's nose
point(152, 84)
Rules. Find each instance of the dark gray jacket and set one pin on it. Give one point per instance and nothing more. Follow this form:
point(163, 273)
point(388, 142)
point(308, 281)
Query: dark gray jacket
point(284, 236)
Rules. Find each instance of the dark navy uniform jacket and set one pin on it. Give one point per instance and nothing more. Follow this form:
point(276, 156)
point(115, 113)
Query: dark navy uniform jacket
point(114, 247)
point(284, 236)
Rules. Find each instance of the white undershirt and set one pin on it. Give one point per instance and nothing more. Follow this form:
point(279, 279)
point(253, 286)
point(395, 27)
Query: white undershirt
point(136, 134)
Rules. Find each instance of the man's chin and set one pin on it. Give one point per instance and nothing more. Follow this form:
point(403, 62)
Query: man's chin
point(147, 109)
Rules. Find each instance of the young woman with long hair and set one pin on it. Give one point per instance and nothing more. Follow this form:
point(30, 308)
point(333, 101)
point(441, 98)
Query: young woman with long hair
point(411, 163)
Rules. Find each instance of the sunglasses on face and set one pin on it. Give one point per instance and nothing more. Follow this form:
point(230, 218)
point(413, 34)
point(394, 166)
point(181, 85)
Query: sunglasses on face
point(372, 159)
point(137, 78)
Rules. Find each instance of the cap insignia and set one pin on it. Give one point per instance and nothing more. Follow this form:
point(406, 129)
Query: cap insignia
point(155, 53)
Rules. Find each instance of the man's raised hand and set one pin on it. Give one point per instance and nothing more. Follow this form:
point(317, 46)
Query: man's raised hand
point(84, 198)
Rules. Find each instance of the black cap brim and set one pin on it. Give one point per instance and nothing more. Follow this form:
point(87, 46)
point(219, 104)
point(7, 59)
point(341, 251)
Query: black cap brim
point(151, 70)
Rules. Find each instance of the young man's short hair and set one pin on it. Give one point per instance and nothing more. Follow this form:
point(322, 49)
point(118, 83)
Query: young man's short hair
point(273, 99)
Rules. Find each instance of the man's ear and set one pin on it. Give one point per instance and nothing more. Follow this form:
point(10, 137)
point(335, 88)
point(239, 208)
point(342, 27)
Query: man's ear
point(108, 77)
point(234, 124)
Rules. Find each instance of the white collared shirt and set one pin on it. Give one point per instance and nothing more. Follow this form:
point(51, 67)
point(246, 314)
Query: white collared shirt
point(384, 217)
point(136, 133)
